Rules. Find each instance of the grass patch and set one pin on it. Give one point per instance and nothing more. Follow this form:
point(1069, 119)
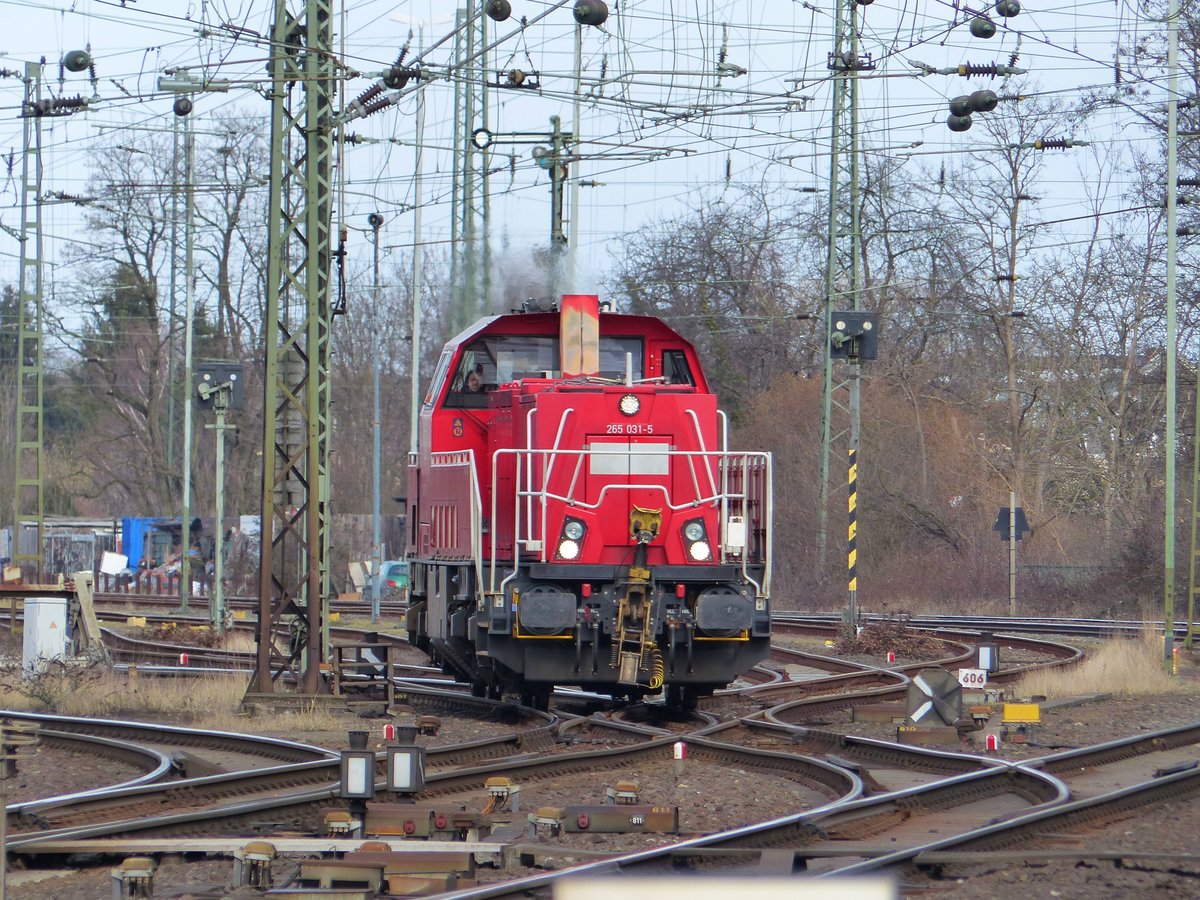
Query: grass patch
point(1123, 668)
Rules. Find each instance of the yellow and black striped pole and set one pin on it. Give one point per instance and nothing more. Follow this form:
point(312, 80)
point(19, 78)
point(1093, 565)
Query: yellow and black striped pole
point(852, 535)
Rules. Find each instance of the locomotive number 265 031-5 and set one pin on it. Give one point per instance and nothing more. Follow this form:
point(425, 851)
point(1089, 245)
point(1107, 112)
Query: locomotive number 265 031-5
point(629, 428)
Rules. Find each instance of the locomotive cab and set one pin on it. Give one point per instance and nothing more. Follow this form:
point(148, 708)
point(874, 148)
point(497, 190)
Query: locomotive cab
point(576, 517)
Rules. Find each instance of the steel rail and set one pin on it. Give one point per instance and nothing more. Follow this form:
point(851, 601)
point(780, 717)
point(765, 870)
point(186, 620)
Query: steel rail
point(798, 830)
point(817, 775)
point(1087, 812)
point(158, 765)
point(153, 733)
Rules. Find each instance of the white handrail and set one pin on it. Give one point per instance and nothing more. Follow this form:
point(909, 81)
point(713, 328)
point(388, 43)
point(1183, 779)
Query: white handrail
point(756, 476)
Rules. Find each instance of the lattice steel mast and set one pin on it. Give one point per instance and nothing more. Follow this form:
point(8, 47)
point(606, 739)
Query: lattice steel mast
point(843, 269)
point(28, 484)
point(294, 577)
point(470, 247)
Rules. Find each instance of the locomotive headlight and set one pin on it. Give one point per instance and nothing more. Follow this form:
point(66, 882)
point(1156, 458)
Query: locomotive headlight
point(629, 405)
point(696, 539)
point(573, 529)
point(568, 549)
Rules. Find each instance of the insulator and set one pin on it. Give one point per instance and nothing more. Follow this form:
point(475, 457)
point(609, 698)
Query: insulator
point(983, 101)
point(1188, 182)
point(375, 106)
point(67, 103)
point(958, 123)
point(1053, 144)
point(1008, 8)
point(1008, 277)
point(969, 69)
point(498, 10)
point(369, 94)
point(864, 2)
point(961, 106)
point(982, 27)
point(591, 12)
point(397, 77)
point(77, 60)
point(1184, 231)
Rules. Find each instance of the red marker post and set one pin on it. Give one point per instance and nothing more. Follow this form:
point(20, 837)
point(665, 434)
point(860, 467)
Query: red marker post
point(679, 751)
point(891, 657)
point(993, 742)
point(183, 659)
point(389, 732)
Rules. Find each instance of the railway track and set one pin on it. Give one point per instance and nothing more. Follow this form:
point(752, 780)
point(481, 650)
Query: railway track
point(993, 807)
point(900, 806)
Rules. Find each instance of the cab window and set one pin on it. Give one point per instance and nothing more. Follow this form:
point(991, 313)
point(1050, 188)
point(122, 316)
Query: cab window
point(439, 377)
point(613, 351)
point(675, 368)
point(526, 356)
point(474, 376)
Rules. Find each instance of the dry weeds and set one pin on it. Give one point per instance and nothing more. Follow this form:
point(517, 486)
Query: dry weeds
point(877, 638)
point(211, 702)
point(1123, 668)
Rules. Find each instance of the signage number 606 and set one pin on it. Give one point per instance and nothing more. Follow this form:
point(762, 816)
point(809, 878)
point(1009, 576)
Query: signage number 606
point(972, 678)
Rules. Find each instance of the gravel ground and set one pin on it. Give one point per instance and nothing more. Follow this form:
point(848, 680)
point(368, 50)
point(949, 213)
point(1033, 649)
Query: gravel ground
point(1167, 828)
point(52, 771)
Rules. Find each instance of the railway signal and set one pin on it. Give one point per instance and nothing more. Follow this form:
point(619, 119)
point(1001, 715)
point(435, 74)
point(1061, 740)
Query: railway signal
point(934, 698)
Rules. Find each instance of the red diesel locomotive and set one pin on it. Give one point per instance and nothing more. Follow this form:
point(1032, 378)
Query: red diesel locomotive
point(576, 517)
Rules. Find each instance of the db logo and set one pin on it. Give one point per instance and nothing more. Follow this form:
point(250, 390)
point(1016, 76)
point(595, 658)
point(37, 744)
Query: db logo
point(457, 428)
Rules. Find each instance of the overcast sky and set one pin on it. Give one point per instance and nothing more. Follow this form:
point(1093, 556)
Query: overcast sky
point(684, 99)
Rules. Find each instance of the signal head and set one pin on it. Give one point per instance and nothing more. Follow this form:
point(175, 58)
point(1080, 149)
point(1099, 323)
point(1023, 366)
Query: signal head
point(594, 12)
point(183, 106)
point(375, 220)
point(958, 123)
point(77, 60)
point(1008, 8)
